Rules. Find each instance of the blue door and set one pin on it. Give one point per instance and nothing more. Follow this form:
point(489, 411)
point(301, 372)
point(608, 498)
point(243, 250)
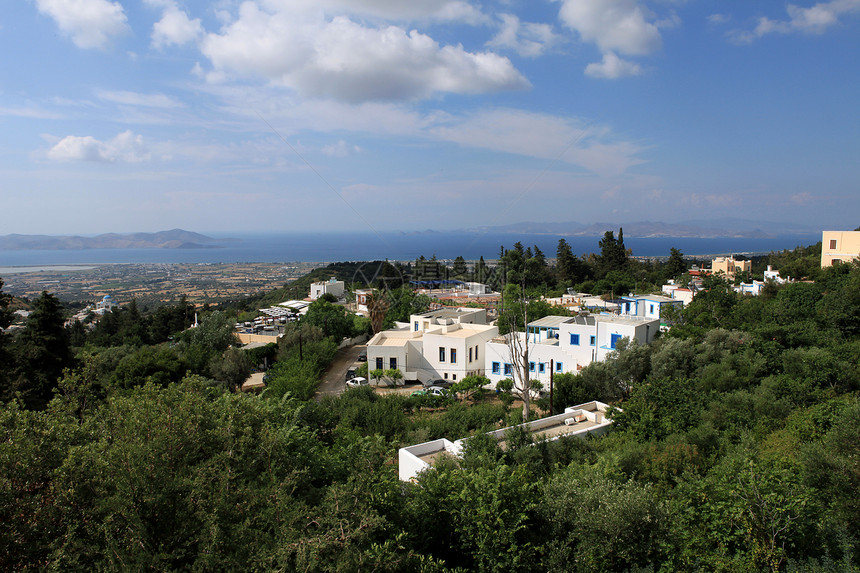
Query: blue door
point(614, 339)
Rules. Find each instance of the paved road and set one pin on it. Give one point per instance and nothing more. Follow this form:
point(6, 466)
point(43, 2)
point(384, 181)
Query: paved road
point(334, 379)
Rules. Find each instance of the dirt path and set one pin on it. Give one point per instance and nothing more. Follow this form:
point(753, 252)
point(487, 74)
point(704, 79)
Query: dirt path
point(254, 383)
point(334, 379)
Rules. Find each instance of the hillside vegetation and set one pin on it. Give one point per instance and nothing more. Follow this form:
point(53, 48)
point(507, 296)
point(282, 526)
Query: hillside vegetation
point(736, 449)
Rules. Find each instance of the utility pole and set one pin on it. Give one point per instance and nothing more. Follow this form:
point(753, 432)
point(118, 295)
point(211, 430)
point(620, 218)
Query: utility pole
point(551, 370)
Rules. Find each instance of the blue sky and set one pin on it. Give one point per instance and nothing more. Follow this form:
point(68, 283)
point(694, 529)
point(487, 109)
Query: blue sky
point(297, 115)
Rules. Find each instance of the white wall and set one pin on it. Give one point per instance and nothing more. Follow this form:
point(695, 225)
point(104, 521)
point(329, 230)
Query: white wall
point(460, 342)
point(549, 355)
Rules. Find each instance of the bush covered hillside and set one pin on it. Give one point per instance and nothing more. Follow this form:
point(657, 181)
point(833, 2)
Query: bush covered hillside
point(737, 449)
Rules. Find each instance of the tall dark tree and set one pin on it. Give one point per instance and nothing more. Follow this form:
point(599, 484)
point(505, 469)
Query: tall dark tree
point(460, 270)
point(481, 273)
point(5, 301)
point(170, 320)
point(43, 351)
point(5, 357)
point(536, 268)
point(569, 267)
point(676, 265)
point(613, 254)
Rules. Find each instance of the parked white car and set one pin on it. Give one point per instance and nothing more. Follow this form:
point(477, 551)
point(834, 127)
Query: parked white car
point(356, 382)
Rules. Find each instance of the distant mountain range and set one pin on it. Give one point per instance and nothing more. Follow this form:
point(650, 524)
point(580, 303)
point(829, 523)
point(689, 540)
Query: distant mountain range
point(705, 229)
point(173, 239)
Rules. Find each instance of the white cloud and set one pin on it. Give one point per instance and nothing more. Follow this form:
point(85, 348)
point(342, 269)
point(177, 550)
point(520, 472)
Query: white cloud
point(340, 149)
point(814, 20)
point(175, 28)
point(30, 112)
point(347, 61)
point(719, 18)
point(612, 25)
point(160, 101)
point(446, 10)
point(89, 23)
point(126, 147)
point(612, 67)
point(525, 38)
point(543, 136)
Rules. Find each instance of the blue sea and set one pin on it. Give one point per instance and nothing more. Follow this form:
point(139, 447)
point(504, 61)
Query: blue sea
point(330, 247)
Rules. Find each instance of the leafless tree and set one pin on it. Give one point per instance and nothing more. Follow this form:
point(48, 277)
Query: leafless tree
point(378, 306)
point(517, 315)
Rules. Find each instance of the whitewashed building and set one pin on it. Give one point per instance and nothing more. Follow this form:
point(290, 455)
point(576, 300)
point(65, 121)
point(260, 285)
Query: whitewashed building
point(444, 344)
point(332, 286)
point(576, 421)
point(560, 344)
point(647, 306)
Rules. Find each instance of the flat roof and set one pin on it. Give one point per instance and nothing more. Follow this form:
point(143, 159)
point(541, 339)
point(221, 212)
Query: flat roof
point(612, 318)
point(449, 312)
point(432, 457)
point(656, 298)
point(552, 321)
point(383, 339)
point(556, 431)
point(464, 330)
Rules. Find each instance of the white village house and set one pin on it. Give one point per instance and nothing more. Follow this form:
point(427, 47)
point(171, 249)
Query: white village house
point(441, 344)
point(567, 343)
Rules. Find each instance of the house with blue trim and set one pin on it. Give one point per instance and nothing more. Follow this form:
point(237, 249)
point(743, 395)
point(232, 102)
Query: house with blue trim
point(648, 306)
point(559, 344)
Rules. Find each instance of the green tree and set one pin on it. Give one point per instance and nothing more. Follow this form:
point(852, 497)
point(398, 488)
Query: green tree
point(570, 268)
point(481, 272)
point(233, 368)
point(483, 519)
point(459, 270)
point(598, 522)
point(613, 254)
point(469, 385)
point(43, 352)
point(334, 320)
point(403, 303)
point(377, 374)
point(394, 375)
point(6, 358)
point(676, 265)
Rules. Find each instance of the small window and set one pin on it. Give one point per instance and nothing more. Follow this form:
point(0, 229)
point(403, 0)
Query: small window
point(832, 243)
point(379, 362)
point(574, 339)
point(531, 366)
point(453, 356)
point(496, 367)
point(542, 367)
point(453, 376)
point(558, 367)
point(651, 309)
point(441, 354)
point(416, 326)
point(446, 375)
point(593, 341)
point(508, 369)
point(476, 352)
point(614, 340)
point(470, 354)
point(392, 363)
